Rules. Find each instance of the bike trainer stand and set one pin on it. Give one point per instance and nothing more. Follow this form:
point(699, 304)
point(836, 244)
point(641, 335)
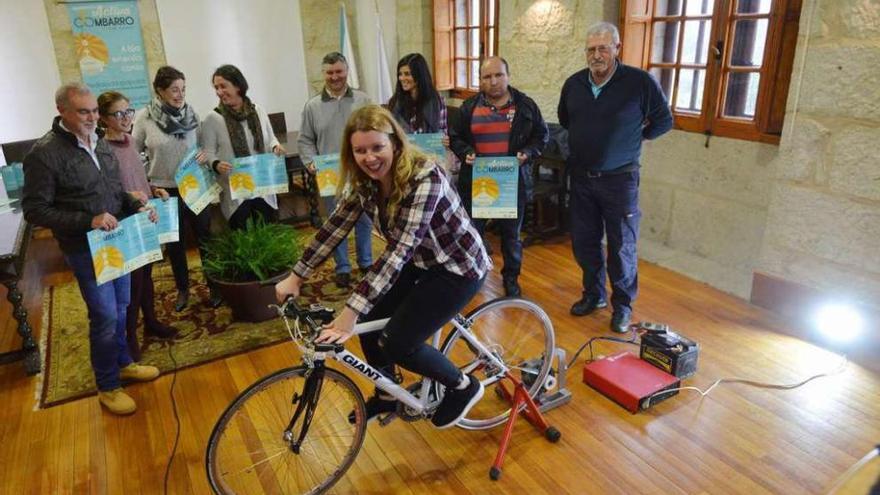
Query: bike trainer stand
point(531, 410)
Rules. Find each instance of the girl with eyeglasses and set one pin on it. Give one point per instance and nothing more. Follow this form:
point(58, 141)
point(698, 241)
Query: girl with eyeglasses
point(116, 121)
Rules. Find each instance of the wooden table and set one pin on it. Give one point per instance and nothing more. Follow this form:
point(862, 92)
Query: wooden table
point(308, 187)
point(15, 234)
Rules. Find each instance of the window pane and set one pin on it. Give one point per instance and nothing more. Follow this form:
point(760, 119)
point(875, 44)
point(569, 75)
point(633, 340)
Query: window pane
point(695, 45)
point(742, 94)
point(664, 77)
point(475, 43)
point(753, 6)
point(490, 48)
point(475, 12)
point(491, 21)
point(668, 7)
point(690, 90)
point(475, 73)
point(461, 73)
point(699, 7)
point(665, 42)
point(748, 43)
point(460, 43)
point(460, 13)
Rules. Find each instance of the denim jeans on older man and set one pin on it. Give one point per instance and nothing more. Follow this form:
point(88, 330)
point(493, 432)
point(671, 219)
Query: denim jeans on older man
point(106, 304)
point(362, 240)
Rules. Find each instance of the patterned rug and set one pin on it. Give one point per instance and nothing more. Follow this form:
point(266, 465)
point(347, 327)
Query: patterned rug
point(205, 334)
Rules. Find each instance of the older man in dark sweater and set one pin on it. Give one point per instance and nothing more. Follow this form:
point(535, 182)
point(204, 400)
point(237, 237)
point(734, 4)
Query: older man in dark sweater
point(608, 109)
point(72, 185)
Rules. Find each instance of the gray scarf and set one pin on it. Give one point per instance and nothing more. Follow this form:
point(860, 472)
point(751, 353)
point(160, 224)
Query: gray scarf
point(174, 121)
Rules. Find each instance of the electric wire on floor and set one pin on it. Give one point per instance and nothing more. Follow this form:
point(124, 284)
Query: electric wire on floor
point(176, 418)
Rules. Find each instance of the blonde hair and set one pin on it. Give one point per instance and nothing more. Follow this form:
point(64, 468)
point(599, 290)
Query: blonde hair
point(408, 160)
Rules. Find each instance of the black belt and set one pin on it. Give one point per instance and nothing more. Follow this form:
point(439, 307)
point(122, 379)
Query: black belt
point(595, 174)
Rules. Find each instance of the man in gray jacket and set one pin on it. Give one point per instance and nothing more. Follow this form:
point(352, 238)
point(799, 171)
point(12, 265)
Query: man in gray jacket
point(323, 121)
point(71, 186)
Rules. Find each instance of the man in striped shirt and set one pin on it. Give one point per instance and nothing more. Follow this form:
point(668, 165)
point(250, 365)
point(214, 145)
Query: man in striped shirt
point(500, 121)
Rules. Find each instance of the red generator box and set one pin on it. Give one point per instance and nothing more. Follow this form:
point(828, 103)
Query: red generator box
point(629, 381)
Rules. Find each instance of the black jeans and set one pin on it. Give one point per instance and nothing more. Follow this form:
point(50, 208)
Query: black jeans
point(201, 225)
point(419, 304)
point(511, 245)
point(609, 206)
point(252, 208)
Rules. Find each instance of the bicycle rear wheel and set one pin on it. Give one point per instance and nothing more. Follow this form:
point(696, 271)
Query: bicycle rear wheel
point(519, 333)
point(248, 452)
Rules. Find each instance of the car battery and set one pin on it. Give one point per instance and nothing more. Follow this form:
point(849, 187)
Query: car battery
point(669, 351)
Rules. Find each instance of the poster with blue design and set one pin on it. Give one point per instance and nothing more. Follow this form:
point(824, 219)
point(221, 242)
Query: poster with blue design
point(196, 184)
point(257, 175)
point(495, 182)
point(131, 245)
point(327, 174)
point(168, 227)
point(430, 143)
point(110, 49)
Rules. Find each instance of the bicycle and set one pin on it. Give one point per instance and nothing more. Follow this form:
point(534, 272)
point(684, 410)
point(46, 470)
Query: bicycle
point(299, 429)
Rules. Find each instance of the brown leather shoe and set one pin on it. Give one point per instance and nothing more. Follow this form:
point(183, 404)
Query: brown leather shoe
point(117, 401)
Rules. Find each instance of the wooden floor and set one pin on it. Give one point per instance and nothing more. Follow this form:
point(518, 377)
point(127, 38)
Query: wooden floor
point(738, 439)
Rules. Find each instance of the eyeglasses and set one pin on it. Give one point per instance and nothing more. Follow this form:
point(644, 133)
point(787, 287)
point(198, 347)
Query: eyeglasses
point(121, 114)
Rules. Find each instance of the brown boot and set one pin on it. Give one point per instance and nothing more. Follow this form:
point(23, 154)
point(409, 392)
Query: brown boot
point(117, 401)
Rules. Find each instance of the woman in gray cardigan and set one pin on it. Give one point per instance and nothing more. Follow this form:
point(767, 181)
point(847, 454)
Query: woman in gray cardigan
point(167, 129)
point(238, 128)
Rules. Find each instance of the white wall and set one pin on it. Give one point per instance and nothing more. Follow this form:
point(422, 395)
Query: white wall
point(30, 75)
point(263, 38)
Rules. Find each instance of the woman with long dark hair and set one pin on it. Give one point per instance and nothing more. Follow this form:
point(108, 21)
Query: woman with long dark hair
point(116, 119)
point(415, 104)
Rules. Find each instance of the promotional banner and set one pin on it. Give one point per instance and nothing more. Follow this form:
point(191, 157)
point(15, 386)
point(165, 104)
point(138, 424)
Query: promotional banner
point(257, 175)
point(327, 173)
point(131, 245)
point(168, 227)
point(431, 143)
point(110, 49)
point(495, 182)
point(197, 185)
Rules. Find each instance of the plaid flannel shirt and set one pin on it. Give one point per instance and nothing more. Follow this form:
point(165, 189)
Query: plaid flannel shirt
point(431, 229)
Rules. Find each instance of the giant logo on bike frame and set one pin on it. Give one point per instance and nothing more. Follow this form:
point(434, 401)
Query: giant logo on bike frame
point(362, 367)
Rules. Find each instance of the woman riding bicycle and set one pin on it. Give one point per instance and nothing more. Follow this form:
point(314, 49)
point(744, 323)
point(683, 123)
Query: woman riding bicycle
point(432, 266)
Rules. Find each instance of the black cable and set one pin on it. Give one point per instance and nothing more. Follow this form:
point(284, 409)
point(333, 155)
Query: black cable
point(589, 343)
point(176, 418)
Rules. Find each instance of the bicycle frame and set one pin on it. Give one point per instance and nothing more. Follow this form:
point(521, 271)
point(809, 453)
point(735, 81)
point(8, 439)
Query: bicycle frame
point(418, 404)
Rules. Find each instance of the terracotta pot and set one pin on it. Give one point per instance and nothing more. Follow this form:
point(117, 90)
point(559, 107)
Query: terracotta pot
point(250, 301)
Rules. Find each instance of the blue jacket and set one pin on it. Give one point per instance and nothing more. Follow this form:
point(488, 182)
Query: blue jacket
point(606, 133)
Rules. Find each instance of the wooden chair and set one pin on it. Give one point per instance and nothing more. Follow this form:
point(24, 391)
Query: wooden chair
point(279, 123)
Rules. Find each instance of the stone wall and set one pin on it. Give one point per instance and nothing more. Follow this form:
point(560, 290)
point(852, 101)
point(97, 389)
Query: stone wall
point(823, 221)
point(415, 26)
point(320, 27)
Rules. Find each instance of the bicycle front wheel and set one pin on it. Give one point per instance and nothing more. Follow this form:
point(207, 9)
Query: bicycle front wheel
point(248, 451)
point(517, 332)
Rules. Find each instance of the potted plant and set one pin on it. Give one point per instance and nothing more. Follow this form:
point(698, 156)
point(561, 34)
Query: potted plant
point(245, 264)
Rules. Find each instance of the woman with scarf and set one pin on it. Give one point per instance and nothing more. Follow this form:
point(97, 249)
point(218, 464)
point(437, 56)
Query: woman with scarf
point(167, 129)
point(235, 129)
point(116, 119)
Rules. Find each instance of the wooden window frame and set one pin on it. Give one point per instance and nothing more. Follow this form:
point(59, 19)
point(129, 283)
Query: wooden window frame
point(637, 23)
point(445, 43)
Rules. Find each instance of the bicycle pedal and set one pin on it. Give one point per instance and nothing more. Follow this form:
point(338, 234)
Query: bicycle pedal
point(386, 419)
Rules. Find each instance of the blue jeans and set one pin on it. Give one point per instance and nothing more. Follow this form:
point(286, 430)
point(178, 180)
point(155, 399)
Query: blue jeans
point(362, 239)
point(609, 206)
point(106, 304)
